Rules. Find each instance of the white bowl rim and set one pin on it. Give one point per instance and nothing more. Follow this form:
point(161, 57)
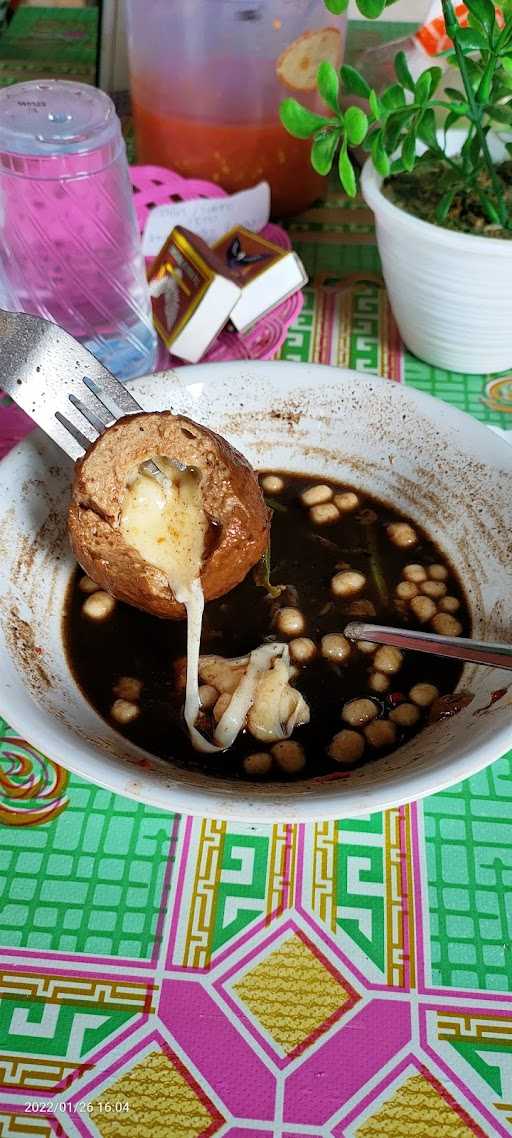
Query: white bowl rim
point(43, 734)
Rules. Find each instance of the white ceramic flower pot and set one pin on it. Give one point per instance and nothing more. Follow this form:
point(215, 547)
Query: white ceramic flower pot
point(451, 293)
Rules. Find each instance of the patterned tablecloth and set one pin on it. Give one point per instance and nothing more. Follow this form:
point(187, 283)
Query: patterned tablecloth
point(176, 978)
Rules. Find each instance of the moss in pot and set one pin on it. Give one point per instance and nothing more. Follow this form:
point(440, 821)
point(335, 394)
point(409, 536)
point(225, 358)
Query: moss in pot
point(442, 198)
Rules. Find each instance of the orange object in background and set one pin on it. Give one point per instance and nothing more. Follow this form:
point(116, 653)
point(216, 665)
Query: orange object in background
point(206, 82)
point(235, 155)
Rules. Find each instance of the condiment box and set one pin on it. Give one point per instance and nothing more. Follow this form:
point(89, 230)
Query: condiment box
point(266, 273)
point(193, 294)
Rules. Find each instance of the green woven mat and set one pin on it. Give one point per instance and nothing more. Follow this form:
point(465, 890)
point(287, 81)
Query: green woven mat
point(49, 43)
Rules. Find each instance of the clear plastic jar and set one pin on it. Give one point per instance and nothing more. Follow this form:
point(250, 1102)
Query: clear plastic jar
point(207, 77)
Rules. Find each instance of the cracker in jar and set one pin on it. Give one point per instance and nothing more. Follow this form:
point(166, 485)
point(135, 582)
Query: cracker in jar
point(298, 64)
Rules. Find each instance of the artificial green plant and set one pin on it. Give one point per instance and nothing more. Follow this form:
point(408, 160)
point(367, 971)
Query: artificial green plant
point(403, 116)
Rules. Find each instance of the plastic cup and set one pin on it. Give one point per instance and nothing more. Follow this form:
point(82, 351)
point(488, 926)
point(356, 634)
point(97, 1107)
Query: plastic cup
point(69, 243)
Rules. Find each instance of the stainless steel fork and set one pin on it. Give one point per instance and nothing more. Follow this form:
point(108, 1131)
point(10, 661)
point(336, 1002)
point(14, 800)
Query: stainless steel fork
point(59, 383)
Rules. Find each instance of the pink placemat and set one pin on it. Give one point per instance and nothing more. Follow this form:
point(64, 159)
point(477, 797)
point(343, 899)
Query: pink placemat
point(155, 185)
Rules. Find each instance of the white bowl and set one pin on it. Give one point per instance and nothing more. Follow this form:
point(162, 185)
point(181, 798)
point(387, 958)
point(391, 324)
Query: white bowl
point(436, 464)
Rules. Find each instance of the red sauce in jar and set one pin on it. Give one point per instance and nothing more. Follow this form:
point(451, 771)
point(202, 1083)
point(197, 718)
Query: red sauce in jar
point(235, 155)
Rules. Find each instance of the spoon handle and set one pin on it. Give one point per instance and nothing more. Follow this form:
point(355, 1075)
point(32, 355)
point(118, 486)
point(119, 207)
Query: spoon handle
point(473, 651)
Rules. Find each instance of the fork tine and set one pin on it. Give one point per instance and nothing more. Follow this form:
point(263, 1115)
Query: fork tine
point(98, 416)
point(83, 441)
point(102, 400)
point(40, 364)
point(113, 394)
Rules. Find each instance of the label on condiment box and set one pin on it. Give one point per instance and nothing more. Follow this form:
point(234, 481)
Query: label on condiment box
point(266, 273)
point(247, 254)
point(179, 278)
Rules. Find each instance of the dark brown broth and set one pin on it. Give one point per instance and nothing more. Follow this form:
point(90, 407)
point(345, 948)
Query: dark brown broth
point(304, 556)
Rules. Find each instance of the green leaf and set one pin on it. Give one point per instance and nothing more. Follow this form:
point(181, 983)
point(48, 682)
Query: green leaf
point(490, 209)
point(323, 151)
point(375, 106)
point(275, 506)
point(336, 6)
point(508, 147)
point(402, 71)
point(354, 83)
point(409, 151)
point(356, 126)
point(393, 97)
point(378, 571)
point(457, 100)
point(428, 155)
point(299, 120)
point(502, 85)
point(484, 11)
point(470, 39)
point(454, 93)
point(261, 576)
point(397, 167)
point(379, 156)
point(347, 172)
point(451, 119)
point(501, 89)
point(427, 129)
point(444, 205)
point(423, 87)
point(506, 63)
point(474, 67)
point(392, 131)
point(328, 83)
point(505, 35)
point(483, 93)
point(474, 23)
point(371, 9)
point(471, 152)
point(500, 114)
point(436, 74)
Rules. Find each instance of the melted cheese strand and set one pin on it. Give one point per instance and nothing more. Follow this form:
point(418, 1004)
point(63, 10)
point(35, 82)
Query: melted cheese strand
point(192, 597)
point(243, 697)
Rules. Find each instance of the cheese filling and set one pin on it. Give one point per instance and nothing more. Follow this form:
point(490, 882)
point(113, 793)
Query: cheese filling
point(163, 519)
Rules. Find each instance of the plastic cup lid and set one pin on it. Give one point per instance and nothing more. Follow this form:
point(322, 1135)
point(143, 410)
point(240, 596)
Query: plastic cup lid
point(55, 116)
